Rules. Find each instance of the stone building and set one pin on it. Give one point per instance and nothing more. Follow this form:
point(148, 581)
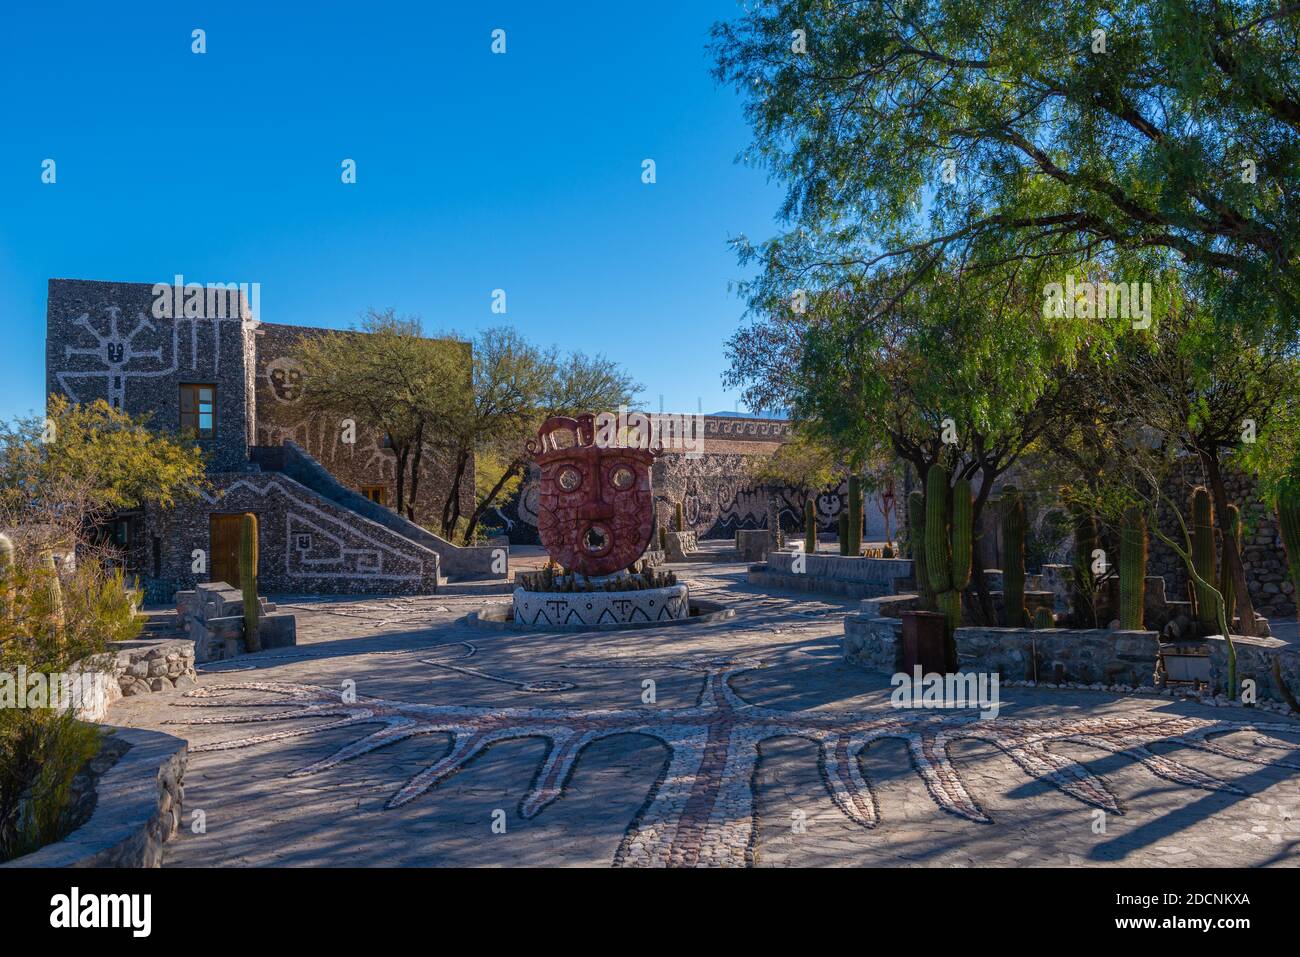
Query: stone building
point(210, 369)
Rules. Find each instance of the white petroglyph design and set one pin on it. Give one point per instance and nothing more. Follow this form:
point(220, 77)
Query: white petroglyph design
point(126, 355)
point(701, 810)
point(318, 545)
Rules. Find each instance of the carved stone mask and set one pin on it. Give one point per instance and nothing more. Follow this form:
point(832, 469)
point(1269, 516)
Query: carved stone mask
point(595, 509)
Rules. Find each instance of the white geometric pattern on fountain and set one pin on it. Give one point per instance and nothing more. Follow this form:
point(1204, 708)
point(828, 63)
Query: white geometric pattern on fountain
point(701, 810)
point(601, 607)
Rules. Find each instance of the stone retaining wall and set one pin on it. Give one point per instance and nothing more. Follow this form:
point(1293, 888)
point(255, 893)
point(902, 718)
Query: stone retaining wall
point(833, 574)
point(1054, 655)
point(1091, 656)
point(138, 808)
point(140, 667)
point(1255, 662)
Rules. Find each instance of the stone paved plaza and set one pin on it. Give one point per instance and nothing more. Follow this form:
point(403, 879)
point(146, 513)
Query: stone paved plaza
point(760, 747)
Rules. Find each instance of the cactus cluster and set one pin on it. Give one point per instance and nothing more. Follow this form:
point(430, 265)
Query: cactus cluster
point(248, 558)
point(551, 579)
point(1013, 557)
point(809, 527)
point(1132, 569)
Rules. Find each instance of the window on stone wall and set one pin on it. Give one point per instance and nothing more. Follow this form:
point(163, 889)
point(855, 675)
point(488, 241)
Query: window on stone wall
point(199, 410)
point(376, 493)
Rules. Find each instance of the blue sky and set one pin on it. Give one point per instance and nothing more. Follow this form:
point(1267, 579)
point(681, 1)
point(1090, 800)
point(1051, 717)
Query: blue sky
point(475, 171)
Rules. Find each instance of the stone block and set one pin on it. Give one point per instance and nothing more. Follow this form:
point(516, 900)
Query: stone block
point(278, 631)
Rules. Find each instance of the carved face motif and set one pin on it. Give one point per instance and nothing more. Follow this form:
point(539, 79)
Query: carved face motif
point(595, 509)
point(285, 377)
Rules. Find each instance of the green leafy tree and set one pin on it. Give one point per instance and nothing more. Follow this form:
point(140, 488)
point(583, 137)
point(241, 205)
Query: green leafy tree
point(517, 386)
point(1127, 134)
point(390, 378)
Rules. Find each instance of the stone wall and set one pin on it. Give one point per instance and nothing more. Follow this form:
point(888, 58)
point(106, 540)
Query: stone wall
point(139, 807)
point(1263, 554)
point(102, 341)
point(1054, 655)
point(308, 545)
point(1049, 655)
point(142, 667)
point(213, 616)
point(832, 574)
point(279, 389)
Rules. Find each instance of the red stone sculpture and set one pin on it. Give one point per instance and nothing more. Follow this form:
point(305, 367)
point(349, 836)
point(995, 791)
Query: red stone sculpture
point(595, 510)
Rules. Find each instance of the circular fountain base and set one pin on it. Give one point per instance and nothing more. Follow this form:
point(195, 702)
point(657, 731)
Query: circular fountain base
point(599, 610)
point(588, 608)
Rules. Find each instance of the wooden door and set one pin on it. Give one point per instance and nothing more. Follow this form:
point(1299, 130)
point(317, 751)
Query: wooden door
point(224, 532)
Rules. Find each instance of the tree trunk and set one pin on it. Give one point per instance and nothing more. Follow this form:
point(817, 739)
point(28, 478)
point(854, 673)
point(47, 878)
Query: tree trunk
point(415, 471)
point(481, 508)
point(451, 505)
point(401, 454)
point(1231, 547)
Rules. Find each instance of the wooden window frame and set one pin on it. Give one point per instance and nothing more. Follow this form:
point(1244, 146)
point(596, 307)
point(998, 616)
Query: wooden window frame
point(194, 416)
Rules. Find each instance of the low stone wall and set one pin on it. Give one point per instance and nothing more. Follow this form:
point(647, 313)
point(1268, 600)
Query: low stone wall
point(1055, 655)
point(213, 616)
point(832, 574)
point(873, 642)
point(138, 808)
point(601, 607)
point(1255, 658)
point(1090, 656)
point(140, 667)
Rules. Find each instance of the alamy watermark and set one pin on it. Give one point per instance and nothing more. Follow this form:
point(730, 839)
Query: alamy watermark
point(214, 300)
point(80, 691)
point(1098, 300)
point(679, 431)
point(968, 689)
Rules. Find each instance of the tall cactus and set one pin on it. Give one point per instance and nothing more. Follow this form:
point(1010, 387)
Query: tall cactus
point(855, 514)
point(1226, 586)
point(54, 591)
point(248, 580)
point(1207, 610)
point(843, 528)
point(1132, 570)
point(1288, 522)
point(1013, 559)
point(679, 515)
point(948, 532)
point(916, 541)
point(8, 588)
point(938, 561)
point(963, 525)
point(809, 527)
